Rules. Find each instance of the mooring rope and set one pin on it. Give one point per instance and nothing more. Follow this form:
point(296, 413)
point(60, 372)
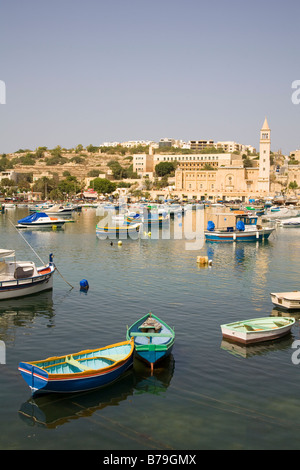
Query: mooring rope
point(56, 268)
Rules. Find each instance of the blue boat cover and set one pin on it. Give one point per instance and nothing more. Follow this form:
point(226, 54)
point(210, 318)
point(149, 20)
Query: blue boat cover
point(210, 225)
point(240, 226)
point(32, 217)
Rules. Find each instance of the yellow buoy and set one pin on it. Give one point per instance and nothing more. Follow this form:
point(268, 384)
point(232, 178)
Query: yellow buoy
point(54, 227)
point(202, 260)
point(120, 243)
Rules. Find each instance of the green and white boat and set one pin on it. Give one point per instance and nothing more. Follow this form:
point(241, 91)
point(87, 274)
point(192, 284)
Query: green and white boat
point(257, 329)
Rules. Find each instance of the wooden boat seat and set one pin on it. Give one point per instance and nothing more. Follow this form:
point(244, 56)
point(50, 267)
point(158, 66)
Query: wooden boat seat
point(73, 362)
point(250, 327)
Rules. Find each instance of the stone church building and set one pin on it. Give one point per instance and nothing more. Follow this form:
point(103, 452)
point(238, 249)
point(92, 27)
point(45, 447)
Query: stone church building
point(226, 178)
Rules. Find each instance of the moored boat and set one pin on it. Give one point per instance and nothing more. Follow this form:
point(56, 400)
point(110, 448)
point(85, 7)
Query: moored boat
point(286, 300)
point(121, 230)
point(40, 220)
point(246, 230)
point(59, 210)
point(84, 370)
point(290, 223)
point(257, 329)
point(22, 278)
point(153, 339)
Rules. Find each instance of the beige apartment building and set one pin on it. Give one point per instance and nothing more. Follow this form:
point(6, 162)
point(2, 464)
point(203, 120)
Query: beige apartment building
point(145, 164)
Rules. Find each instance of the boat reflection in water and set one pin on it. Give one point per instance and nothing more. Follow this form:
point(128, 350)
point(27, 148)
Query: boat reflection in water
point(259, 349)
point(53, 410)
point(21, 312)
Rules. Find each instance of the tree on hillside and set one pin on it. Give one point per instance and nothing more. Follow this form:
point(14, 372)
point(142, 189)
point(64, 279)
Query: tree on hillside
point(78, 148)
point(92, 149)
point(103, 185)
point(118, 171)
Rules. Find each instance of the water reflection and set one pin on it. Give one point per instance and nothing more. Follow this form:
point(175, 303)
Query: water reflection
point(15, 313)
point(53, 410)
point(260, 349)
point(278, 312)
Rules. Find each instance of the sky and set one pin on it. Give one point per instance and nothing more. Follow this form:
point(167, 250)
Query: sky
point(91, 71)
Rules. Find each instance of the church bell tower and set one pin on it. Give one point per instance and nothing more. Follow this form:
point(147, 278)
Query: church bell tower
point(264, 158)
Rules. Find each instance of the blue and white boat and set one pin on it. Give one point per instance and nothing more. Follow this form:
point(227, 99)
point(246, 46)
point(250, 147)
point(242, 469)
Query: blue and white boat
point(85, 370)
point(40, 220)
point(22, 278)
point(290, 223)
point(153, 339)
point(246, 230)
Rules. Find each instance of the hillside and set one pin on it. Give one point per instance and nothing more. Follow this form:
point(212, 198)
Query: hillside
point(77, 164)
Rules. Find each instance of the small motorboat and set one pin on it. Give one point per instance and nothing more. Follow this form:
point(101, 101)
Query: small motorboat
point(121, 230)
point(153, 339)
point(59, 210)
point(21, 278)
point(286, 300)
point(40, 220)
point(85, 370)
point(290, 223)
point(257, 329)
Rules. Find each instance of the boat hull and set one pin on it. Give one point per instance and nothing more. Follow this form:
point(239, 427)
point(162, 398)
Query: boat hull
point(50, 224)
point(40, 381)
point(23, 287)
point(237, 333)
point(246, 236)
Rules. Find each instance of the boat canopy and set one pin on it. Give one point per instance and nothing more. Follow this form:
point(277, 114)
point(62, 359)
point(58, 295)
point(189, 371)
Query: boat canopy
point(6, 253)
point(33, 217)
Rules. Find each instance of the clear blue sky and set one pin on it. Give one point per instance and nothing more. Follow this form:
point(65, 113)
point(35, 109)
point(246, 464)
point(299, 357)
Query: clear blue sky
point(89, 71)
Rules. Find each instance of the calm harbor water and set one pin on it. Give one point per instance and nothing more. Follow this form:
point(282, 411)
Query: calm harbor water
point(208, 395)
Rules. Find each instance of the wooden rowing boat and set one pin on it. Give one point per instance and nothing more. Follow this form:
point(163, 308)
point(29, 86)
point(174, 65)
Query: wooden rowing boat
point(85, 370)
point(257, 329)
point(153, 339)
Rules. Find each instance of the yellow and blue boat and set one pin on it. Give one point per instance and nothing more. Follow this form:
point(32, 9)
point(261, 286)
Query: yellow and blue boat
point(122, 230)
point(85, 370)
